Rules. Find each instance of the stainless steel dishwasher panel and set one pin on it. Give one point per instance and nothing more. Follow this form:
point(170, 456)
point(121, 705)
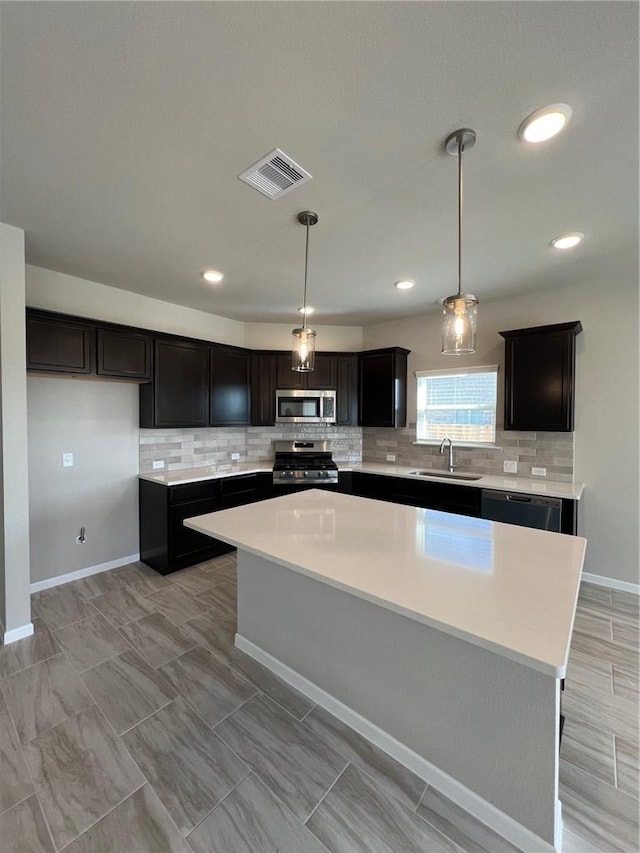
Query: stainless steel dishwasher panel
point(526, 510)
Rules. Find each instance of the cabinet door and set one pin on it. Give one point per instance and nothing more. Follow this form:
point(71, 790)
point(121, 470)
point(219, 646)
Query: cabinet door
point(347, 390)
point(376, 391)
point(287, 378)
point(539, 377)
point(59, 346)
point(181, 384)
point(324, 376)
point(263, 388)
point(230, 399)
point(124, 354)
point(184, 543)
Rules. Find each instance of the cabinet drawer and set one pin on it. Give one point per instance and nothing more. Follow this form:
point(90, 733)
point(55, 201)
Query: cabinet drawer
point(194, 491)
point(242, 483)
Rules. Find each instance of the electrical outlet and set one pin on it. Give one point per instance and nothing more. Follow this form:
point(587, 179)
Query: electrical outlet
point(391, 457)
point(510, 467)
point(538, 472)
point(67, 460)
point(235, 457)
point(157, 464)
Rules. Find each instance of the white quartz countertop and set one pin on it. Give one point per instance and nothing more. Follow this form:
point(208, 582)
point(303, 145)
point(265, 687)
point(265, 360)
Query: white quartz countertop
point(509, 589)
point(537, 486)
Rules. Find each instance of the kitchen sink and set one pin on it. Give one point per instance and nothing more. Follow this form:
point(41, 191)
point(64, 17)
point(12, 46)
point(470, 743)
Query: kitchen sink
point(447, 475)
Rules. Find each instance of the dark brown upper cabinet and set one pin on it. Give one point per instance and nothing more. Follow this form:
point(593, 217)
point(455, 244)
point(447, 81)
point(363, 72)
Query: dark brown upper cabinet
point(179, 394)
point(230, 399)
point(263, 388)
point(382, 387)
point(347, 389)
point(323, 378)
point(125, 354)
point(539, 377)
point(59, 345)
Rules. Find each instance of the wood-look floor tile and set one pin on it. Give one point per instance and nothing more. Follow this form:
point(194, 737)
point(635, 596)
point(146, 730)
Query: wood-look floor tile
point(127, 689)
point(628, 767)
point(605, 650)
point(294, 762)
point(574, 843)
point(627, 633)
point(625, 603)
point(591, 592)
point(591, 749)
point(599, 812)
point(251, 818)
point(275, 688)
point(44, 695)
point(212, 688)
point(122, 606)
point(358, 815)
point(189, 767)
point(142, 579)
point(98, 584)
point(177, 605)
point(612, 713)
point(157, 639)
point(590, 672)
point(221, 598)
point(23, 829)
point(462, 828)
point(595, 626)
point(15, 782)
point(61, 606)
point(140, 824)
point(388, 772)
point(81, 771)
point(626, 684)
point(90, 642)
point(213, 633)
point(193, 580)
point(23, 653)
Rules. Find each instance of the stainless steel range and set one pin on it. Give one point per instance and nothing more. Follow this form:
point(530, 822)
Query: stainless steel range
point(304, 463)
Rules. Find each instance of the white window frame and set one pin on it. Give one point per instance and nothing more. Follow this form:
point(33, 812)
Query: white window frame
point(481, 368)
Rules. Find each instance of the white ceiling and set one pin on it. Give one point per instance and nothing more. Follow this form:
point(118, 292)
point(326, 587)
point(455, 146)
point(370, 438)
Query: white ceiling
point(125, 125)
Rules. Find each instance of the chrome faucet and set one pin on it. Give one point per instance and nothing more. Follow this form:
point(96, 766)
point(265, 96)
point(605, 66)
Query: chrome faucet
point(452, 467)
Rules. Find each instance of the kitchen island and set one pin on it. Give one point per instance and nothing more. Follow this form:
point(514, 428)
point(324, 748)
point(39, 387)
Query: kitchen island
point(441, 638)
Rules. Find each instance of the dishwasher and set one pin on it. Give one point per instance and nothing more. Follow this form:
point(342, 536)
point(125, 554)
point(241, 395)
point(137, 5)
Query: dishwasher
point(525, 510)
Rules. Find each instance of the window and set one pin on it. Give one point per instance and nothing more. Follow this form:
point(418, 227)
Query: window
point(460, 404)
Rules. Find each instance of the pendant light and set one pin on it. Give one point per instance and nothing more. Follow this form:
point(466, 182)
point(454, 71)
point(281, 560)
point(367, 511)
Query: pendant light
point(459, 312)
point(303, 353)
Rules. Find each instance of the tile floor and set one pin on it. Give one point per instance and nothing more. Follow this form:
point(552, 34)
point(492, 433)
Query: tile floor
point(130, 722)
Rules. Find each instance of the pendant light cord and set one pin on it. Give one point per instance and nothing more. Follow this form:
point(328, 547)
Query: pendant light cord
point(460, 147)
point(306, 267)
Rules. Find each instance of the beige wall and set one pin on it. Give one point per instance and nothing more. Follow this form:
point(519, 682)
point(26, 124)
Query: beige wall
point(98, 423)
point(606, 435)
point(15, 612)
point(278, 336)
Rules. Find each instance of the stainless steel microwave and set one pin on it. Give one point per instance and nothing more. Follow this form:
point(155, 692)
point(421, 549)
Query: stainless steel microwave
point(305, 407)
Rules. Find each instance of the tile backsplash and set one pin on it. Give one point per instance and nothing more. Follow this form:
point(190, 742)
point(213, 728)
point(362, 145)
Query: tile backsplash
point(550, 450)
point(197, 448)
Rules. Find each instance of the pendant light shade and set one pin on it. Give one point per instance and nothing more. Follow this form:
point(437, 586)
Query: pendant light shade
point(303, 351)
point(460, 311)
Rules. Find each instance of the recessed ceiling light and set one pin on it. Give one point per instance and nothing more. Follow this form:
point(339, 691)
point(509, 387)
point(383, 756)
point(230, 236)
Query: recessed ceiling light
point(544, 123)
point(567, 241)
point(212, 276)
point(307, 310)
point(404, 284)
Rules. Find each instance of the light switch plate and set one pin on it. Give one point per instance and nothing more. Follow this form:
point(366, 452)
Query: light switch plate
point(157, 464)
point(538, 472)
point(67, 460)
point(510, 467)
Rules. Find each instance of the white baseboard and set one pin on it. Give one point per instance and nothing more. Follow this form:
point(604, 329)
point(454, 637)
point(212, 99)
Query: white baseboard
point(504, 825)
point(17, 634)
point(83, 573)
point(612, 583)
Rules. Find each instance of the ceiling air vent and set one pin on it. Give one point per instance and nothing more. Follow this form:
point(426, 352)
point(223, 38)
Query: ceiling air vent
point(275, 175)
